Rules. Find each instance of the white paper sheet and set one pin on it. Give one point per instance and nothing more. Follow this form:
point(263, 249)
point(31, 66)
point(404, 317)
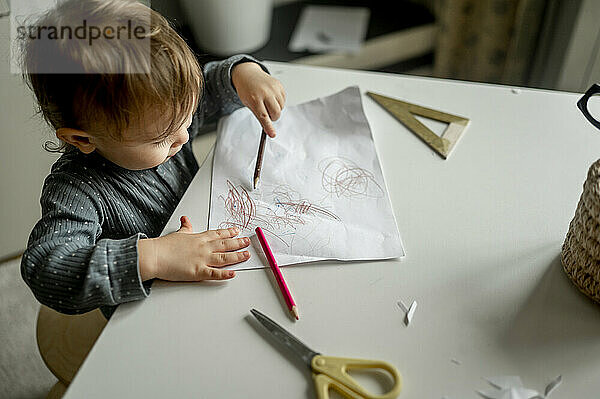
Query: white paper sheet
point(330, 28)
point(322, 193)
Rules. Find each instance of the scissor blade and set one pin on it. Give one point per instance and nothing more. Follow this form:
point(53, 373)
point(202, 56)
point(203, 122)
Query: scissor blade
point(285, 338)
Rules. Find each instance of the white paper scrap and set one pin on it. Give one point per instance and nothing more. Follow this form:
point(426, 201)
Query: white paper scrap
point(505, 381)
point(507, 387)
point(524, 393)
point(410, 313)
point(403, 306)
point(330, 28)
point(322, 193)
point(552, 385)
point(491, 393)
point(510, 393)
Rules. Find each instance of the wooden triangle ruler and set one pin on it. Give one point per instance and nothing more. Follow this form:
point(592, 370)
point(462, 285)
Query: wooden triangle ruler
point(405, 112)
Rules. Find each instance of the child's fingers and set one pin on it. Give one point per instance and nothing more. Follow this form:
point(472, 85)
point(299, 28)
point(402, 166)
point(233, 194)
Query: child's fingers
point(186, 225)
point(212, 235)
point(281, 98)
point(261, 113)
point(229, 244)
point(227, 258)
point(273, 108)
point(210, 273)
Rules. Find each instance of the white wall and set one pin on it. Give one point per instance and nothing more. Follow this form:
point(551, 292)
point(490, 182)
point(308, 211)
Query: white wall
point(23, 162)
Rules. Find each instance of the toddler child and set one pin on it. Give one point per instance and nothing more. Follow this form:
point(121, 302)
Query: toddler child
point(127, 157)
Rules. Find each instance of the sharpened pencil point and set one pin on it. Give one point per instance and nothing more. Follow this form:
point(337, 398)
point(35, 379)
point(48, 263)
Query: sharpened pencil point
point(295, 312)
point(256, 180)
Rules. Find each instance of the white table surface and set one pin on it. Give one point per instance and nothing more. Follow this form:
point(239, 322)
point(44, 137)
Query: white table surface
point(482, 232)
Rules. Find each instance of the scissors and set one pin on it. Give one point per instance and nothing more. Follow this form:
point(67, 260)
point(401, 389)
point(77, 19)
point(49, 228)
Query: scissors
point(330, 372)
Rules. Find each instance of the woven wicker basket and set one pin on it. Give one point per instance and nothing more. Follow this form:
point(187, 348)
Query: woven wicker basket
point(581, 249)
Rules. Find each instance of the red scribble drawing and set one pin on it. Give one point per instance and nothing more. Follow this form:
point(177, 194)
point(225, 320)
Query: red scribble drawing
point(281, 218)
point(240, 208)
point(284, 198)
point(344, 178)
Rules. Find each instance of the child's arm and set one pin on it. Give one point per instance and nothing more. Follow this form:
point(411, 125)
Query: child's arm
point(70, 269)
point(66, 265)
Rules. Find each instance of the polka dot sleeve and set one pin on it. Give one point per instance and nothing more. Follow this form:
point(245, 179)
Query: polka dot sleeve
point(66, 266)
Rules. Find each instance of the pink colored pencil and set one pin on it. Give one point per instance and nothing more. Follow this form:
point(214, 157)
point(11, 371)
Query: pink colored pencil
point(278, 276)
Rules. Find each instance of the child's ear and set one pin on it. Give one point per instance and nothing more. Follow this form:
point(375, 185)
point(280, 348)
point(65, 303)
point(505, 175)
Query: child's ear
point(78, 138)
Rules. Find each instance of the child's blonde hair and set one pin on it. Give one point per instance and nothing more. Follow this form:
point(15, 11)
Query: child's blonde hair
point(69, 77)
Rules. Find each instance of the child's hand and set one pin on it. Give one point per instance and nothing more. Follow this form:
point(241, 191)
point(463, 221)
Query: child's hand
point(187, 256)
point(260, 92)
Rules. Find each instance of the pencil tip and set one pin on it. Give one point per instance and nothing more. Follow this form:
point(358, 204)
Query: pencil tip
point(256, 182)
point(295, 312)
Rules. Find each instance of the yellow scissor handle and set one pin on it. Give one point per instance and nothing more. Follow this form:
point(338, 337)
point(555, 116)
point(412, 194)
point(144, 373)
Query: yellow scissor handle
point(336, 368)
point(323, 383)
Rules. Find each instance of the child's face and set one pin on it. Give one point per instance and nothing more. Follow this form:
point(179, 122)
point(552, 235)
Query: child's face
point(139, 149)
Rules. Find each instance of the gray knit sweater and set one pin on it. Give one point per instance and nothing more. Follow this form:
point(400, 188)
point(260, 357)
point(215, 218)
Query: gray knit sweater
point(82, 254)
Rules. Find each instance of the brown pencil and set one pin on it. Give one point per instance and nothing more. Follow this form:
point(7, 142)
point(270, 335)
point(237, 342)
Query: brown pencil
point(259, 158)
